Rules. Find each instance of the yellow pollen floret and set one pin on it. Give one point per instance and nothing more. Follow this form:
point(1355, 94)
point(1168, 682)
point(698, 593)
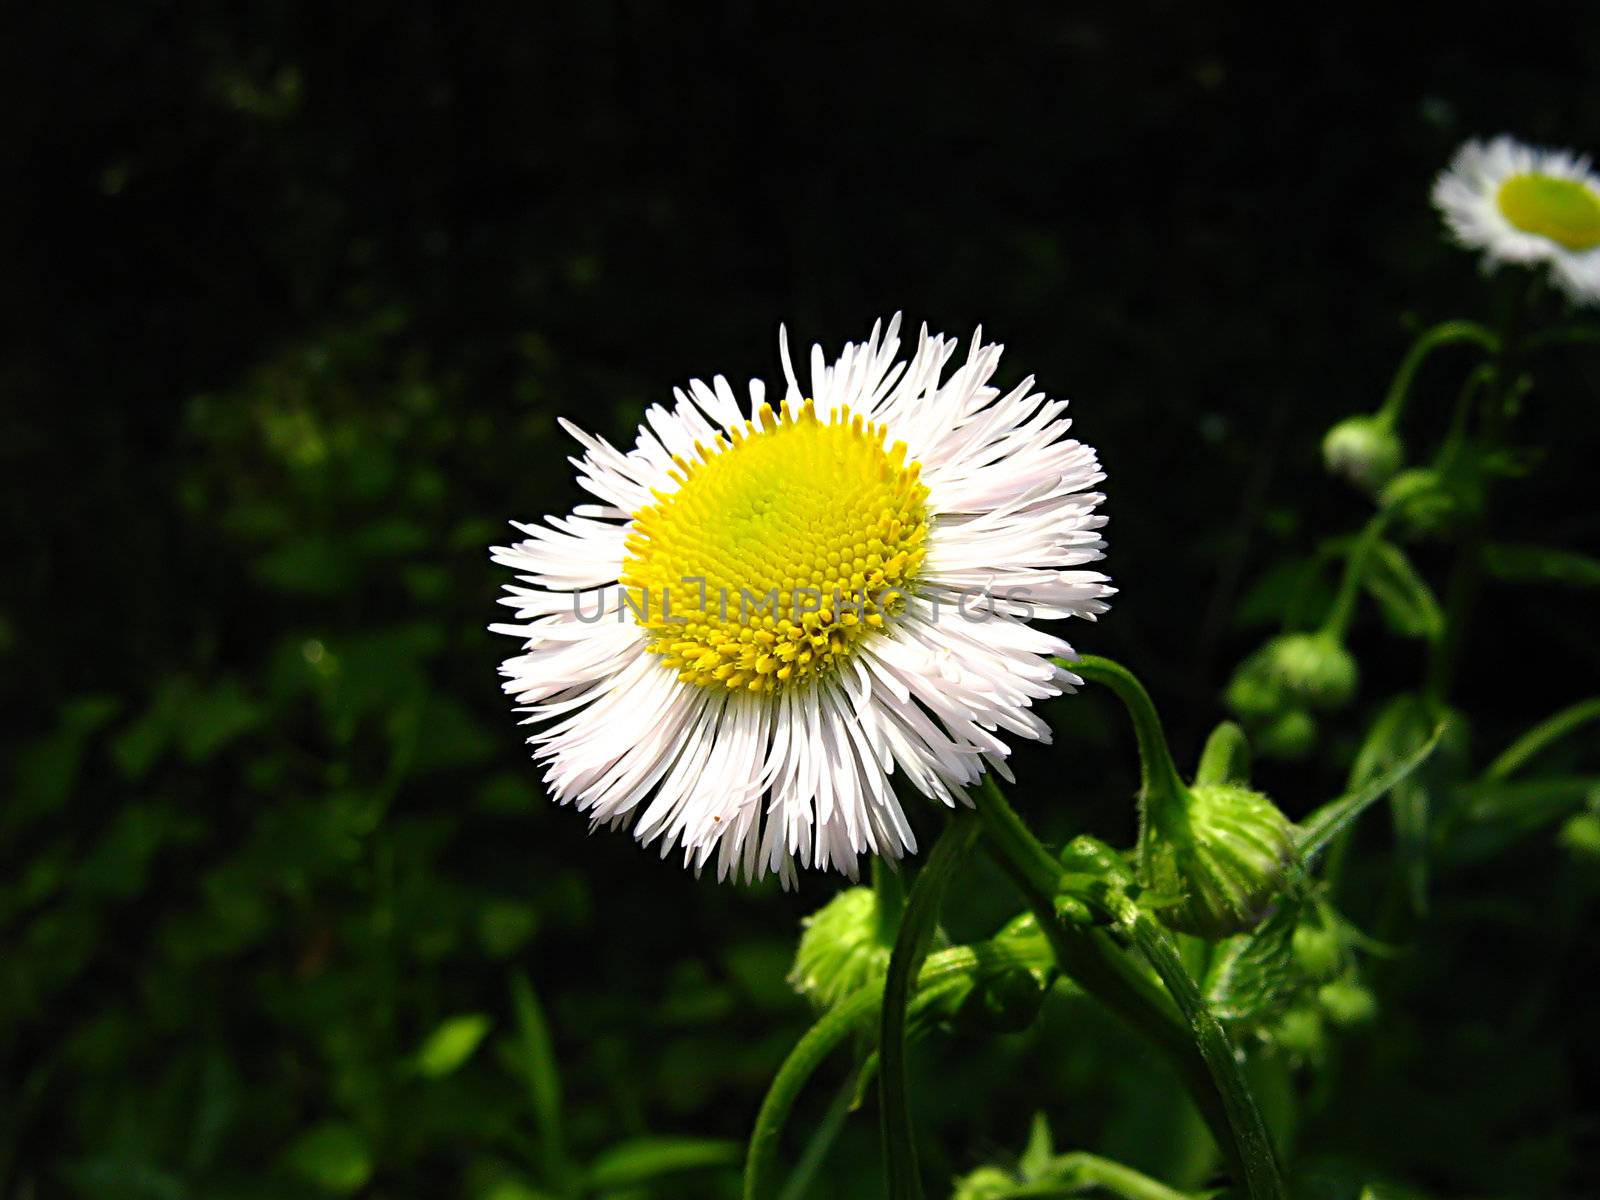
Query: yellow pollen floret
point(1563, 210)
point(780, 550)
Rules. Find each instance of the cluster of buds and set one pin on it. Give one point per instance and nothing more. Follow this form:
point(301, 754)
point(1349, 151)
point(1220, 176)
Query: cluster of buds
point(1278, 688)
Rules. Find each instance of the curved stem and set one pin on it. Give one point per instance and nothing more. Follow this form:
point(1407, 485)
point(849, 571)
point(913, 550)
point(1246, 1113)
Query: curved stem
point(1515, 756)
point(1163, 798)
point(1443, 334)
point(942, 971)
point(903, 1177)
point(1094, 962)
point(808, 1054)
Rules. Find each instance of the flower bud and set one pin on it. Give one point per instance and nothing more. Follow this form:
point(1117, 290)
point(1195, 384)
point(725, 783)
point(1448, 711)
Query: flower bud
point(1293, 671)
point(1314, 668)
point(1581, 836)
point(842, 948)
point(1346, 1002)
point(1253, 692)
point(1318, 949)
point(1300, 1034)
point(1364, 450)
point(1227, 853)
point(1289, 736)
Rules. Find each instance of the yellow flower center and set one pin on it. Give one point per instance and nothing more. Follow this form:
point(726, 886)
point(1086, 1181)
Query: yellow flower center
point(1563, 210)
point(779, 551)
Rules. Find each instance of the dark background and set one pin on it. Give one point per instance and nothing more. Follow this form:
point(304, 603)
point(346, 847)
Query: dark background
point(292, 297)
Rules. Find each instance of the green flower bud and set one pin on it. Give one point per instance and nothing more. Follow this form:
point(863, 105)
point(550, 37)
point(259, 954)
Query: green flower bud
point(1289, 736)
point(1293, 671)
point(1346, 1002)
point(1254, 692)
point(1314, 669)
point(1227, 853)
point(841, 949)
point(1581, 835)
point(1318, 949)
point(1300, 1033)
point(1364, 450)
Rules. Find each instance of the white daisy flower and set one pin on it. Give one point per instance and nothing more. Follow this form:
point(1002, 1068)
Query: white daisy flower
point(1520, 204)
point(770, 613)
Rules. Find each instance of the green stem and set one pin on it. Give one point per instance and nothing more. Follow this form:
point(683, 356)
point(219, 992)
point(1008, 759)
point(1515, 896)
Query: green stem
point(1254, 1147)
point(1093, 961)
point(1163, 798)
point(889, 887)
point(1566, 335)
point(1455, 437)
point(1466, 575)
point(944, 970)
point(819, 1143)
point(1355, 569)
point(1552, 729)
point(903, 1177)
point(1443, 334)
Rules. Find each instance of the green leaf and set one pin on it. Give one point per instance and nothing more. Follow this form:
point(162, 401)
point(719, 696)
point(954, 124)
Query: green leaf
point(333, 1156)
point(1317, 830)
point(537, 1059)
point(1497, 812)
point(642, 1160)
point(1403, 596)
point(451, 1044)
point(1541, 564)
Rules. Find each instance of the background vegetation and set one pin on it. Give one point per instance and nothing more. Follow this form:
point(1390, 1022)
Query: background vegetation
point(294, 295)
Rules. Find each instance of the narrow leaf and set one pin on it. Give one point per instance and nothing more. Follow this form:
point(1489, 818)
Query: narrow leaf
point(543, 1079)
point(1541, 564)
point(1317, 830)
point(1407, 602)
point(642, 1160)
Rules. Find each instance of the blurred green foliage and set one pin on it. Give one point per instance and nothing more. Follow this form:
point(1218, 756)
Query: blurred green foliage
point(296, 297)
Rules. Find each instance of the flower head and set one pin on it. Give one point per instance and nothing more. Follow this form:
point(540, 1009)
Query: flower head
point(774, 609)
point(1519, 204)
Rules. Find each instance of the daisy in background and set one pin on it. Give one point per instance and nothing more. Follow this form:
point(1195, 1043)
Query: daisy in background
point(773, 610)
point(1519, 204)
